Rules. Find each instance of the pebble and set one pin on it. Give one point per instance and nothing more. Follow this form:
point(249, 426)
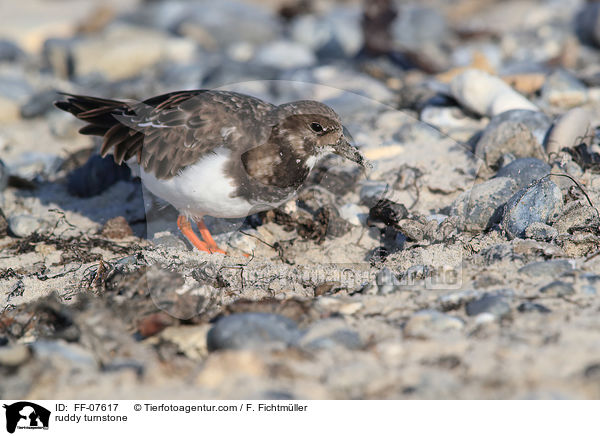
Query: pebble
point(3, 224)
point(31, 164)
point(497, 305)
point(39, 104)
point(3, 176)
point(480, 207)
point(507, 137)
point(14, 355)
point(529, 306)
point(558, 289)
point(168, 240)
point(563, 90)
point(14, 88)
point(337, 34)
point(539, 203)
point(457, 299)
point(550, 268)
point(285, 55)
point(452, 121)
point(330, 333)
point(252, 331)
point(576, 214)
point(116, 228)
point(22, 226)
point(485, 94)
point(74, 353)
point(428, 323)
point(9, 51)
point(416, 26)
point(109, 53)
point(524, 171)
point(541, 232)
point(570, 130)
point(95, 176)
point(220, 24)
point(388, 212)
point(537, 122)
point(354, 214)
point(485, 318)
point(587, 23)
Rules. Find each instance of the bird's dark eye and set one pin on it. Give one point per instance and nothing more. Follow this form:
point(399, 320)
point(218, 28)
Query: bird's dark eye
point(316, 127)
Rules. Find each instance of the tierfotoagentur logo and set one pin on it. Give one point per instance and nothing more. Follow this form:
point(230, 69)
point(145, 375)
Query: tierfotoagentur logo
point(25, 415)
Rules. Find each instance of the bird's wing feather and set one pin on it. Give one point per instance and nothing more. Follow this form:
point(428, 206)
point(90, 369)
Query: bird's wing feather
point(169, 132)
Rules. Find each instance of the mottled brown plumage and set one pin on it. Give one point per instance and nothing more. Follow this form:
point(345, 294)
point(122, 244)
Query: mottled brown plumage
point(269, 149)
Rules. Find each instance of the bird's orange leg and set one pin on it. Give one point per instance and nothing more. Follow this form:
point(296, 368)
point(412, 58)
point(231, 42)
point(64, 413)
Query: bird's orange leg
point(186, 228)
point(205, 233)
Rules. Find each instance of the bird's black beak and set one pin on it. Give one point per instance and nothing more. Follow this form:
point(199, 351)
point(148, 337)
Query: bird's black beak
point(343, 148)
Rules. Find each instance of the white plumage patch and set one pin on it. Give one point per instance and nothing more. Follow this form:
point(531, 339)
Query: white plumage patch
point(201, 189)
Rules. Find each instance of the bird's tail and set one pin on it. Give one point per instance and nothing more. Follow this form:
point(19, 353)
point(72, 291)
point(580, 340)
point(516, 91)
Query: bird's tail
point(99, 113)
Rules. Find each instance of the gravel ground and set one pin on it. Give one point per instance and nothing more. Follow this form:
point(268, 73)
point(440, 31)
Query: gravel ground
point(464, 265)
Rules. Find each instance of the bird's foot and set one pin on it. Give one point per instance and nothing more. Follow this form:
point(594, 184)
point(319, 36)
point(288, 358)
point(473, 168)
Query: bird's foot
point(208, 245)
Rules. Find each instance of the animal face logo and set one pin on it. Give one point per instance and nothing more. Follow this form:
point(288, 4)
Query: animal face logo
point(26, 415)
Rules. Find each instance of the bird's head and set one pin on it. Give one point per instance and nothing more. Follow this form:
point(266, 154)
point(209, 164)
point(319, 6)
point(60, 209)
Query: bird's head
point(317, 129)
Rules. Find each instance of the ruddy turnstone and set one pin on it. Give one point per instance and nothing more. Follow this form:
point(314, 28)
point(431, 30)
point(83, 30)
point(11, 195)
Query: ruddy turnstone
point(216, 153)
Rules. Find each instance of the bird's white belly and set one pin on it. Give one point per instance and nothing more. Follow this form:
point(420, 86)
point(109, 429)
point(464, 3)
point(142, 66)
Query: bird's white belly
point(202, 189)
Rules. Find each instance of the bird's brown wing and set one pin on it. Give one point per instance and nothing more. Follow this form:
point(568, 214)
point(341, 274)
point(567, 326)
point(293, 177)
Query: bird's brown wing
point(169, 132)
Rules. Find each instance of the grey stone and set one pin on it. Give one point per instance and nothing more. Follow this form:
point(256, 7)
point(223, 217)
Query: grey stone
point(109, 54)
point(529, 306)
point(537, 122)
point(169, 241)
point(480, 207)
point(489, 303)
point(39, 103)
point(219, 24)
point(558, 289)
point(3, 176)
point(285, 55)
point(9, 51)
point(587, 23)
point(252, 331)
point(511, 137)
point(417, 26)
point(328, 334)
point(35, 163)
point(524, 171)
point(75, 354)
point(14, 88)
point(334, 35)
point(428, 323)
point(3, 224)
point(541, 202)
point(541, 232)
point(551, 268)
point(457, 299)
point(57, 55)
point(576, 215)
point(564, 90)
point(24, 225)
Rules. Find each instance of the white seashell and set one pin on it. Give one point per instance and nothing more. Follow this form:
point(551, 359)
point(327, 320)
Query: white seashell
point(486, 94)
